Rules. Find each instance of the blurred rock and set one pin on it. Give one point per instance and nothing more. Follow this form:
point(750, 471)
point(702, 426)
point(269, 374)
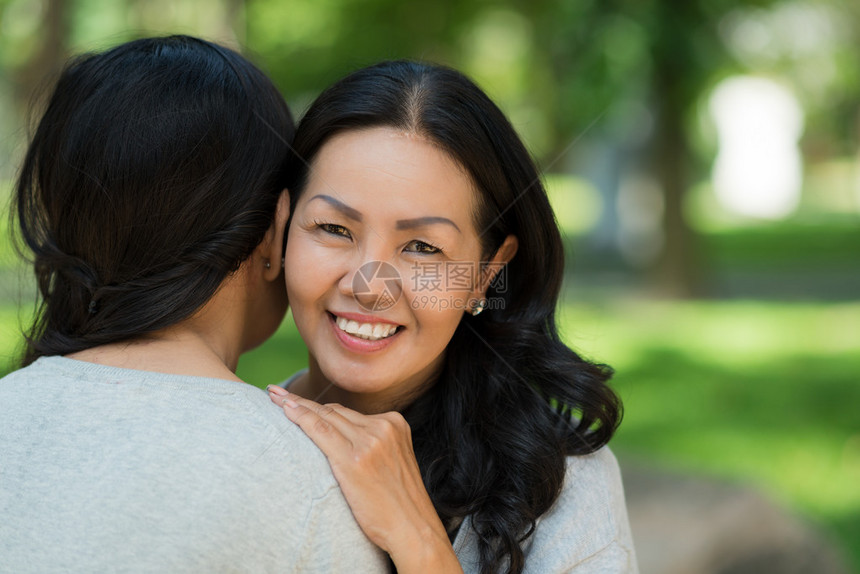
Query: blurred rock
point(691, 525)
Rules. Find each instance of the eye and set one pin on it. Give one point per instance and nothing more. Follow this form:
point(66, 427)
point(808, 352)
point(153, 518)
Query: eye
point(333, 229)
point(422, 247)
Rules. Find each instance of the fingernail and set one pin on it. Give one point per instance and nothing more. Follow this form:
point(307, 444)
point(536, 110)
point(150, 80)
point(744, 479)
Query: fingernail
point(275, 389)
point(290, 402)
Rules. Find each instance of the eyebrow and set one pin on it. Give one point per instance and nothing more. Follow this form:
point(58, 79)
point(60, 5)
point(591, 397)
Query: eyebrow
point(400, 224)
point(348, 211)
point(422, 221)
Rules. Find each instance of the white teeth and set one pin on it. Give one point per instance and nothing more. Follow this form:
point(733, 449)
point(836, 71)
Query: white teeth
point(369, 331)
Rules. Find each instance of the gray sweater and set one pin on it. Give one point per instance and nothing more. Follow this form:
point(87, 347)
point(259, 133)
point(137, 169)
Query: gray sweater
point(116, 470)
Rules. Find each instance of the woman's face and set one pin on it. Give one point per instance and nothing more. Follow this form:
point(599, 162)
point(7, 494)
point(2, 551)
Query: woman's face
point(382, 260)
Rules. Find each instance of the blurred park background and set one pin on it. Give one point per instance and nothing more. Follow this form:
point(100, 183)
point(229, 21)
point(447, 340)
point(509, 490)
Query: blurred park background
point(702, 157)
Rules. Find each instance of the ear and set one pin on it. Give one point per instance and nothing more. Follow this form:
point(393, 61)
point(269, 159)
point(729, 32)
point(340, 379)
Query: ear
point(272, 247)
point(490, 269)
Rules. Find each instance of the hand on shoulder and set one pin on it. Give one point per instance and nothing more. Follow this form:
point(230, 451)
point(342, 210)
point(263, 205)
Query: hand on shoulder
point(371, 457)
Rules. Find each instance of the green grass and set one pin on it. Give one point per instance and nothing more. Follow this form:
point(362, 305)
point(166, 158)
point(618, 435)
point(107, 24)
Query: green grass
point(761, 392)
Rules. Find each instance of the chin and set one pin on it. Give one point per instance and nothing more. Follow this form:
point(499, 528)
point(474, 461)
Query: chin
point(360, 383)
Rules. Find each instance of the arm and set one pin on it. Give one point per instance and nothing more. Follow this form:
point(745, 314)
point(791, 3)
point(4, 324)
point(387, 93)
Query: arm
point(372, 459)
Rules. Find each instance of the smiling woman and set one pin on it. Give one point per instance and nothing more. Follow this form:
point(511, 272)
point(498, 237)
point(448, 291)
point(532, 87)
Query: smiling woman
point(414, 207)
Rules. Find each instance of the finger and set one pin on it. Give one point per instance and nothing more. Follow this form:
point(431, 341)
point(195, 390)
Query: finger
point(319, 429)
point(349, 422)
point(277, 390)
point(354, 417)
point(278, 398)
point(336, 414)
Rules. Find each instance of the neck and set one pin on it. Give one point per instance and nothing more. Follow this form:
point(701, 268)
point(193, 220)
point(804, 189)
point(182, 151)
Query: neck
point(179, 350)
point(207, 344)
point(319, 388)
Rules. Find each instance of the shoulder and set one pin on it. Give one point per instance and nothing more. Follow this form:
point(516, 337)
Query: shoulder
point(224, 426)
point(585, 531)
point(213, 459)
point(19, 388)
point(592, 482)
point(587, 527)
point(36, 370)
point(298, 478)
point(284, 447)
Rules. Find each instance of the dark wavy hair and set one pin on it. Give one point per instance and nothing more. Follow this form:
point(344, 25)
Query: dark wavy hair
point(512, 400)
point(152, 175)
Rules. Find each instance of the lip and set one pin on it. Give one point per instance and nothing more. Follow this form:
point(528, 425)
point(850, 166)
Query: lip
point(356, 344)
point(359, 318)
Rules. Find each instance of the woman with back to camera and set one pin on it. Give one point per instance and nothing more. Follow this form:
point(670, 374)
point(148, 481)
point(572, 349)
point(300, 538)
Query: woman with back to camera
point(151, 200)
point(423, 267)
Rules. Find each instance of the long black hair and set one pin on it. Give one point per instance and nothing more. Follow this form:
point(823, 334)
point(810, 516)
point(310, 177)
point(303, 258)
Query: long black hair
point(512, 400)
point(153, 173)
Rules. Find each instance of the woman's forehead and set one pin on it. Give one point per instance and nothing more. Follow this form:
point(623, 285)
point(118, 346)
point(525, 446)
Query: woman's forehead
point(385, 167)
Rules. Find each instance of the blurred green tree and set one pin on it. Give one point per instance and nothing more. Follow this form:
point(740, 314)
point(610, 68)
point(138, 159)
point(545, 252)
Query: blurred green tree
point(667, 53)
point(558, 68)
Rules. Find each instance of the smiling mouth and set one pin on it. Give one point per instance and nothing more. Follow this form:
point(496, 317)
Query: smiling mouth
point(366, 331)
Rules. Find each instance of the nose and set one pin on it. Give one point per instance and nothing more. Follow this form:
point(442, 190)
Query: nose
point(374, 284)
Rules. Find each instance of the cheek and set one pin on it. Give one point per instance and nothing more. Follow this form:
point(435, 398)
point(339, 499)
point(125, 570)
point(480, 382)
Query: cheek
point(439, 295)
point(437, 319)
point(434, 333)
point(304, 280)
point(312, 273)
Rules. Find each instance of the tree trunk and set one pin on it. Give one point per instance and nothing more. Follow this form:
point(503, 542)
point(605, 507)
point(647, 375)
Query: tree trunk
point(678, 272)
